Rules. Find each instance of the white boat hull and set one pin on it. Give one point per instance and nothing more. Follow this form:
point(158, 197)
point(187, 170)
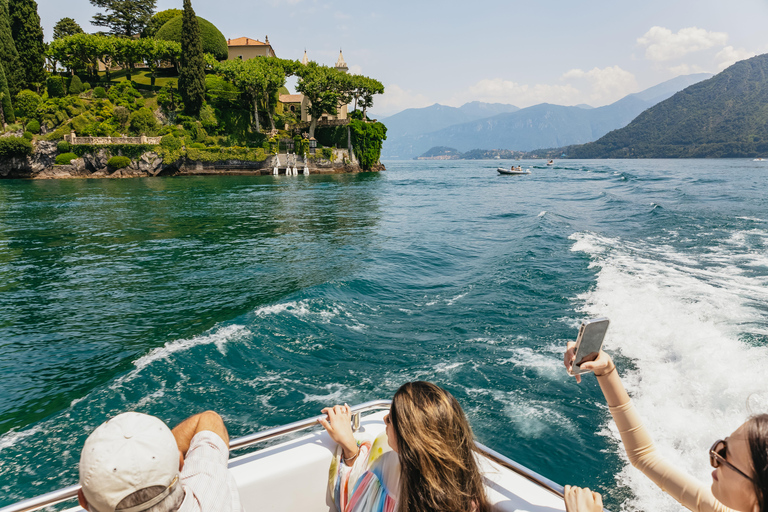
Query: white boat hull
point(508, 171)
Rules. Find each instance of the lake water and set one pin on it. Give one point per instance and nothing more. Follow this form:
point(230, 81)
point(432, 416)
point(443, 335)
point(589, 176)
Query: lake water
point(268, 298)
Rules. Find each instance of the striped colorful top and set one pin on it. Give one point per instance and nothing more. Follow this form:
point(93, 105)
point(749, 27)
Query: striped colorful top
point(371, 484)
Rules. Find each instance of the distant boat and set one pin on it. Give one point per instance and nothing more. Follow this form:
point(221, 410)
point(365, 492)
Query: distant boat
point(551, 162)
point(760, 160)
point(503, 170)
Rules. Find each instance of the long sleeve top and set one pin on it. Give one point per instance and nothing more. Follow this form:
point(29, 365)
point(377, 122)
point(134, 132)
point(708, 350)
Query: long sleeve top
point(643, 455)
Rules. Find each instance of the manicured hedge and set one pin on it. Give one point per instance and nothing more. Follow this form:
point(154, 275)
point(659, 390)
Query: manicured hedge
point(14, 146)
point(129, 150)
point(65, 159)
point(33, 126)
point(63, 147)
point(119, 162)
point(213, 40)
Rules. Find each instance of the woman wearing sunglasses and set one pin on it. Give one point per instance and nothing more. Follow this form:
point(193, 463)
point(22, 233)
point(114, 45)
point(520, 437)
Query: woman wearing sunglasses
point(740, 478)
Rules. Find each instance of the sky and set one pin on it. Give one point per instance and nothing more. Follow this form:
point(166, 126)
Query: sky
point(498, 51)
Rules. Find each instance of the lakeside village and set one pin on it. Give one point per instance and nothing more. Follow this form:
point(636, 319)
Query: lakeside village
point(167, 95)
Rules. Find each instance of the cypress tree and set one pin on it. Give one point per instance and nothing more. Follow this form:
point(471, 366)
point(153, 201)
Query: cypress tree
point(8, 54)
point(192, 63)
point(7, 115)
point(28, 36)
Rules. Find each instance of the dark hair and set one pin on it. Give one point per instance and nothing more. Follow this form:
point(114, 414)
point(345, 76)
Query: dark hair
point(437, 450)
point(757, 436)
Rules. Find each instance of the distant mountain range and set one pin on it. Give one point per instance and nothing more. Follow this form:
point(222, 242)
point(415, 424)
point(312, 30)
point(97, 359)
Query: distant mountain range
point(479, 125)
point(723, 117)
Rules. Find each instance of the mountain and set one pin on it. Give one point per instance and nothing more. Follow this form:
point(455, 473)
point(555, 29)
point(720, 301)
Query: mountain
point(403, 127)
point(539, 126)
point(725, 116)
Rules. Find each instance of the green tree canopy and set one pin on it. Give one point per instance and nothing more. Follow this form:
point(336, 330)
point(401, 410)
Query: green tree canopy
point(158, 20)
point(9, 57)
point(28, 36)
point(326, 89)
point(212, 39)
point(260, 79)
point(6, 107)
point(363, 91)
point(192, 62)
point(66, 27)
point(123, 17)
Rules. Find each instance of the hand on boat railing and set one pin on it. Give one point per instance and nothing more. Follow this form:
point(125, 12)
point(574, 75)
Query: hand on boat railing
point(579, 499)
point(338, 423)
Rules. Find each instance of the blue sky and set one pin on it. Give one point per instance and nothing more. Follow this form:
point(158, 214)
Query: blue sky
point(523, 53)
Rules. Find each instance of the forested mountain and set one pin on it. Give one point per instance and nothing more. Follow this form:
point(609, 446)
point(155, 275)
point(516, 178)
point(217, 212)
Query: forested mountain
point(725, 116)
point(412, 132)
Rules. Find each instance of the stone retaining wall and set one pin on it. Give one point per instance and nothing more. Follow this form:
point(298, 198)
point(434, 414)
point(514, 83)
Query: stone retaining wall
point(106, 141)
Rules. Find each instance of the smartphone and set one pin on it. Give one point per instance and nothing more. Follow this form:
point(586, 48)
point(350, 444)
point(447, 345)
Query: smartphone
point(589, 343)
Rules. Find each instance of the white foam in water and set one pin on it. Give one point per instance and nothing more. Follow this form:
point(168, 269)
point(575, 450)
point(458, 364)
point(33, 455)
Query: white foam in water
point(218, 336)
point(681, 326)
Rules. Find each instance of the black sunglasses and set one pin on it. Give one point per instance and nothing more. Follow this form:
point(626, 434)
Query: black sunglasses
point(718, 454)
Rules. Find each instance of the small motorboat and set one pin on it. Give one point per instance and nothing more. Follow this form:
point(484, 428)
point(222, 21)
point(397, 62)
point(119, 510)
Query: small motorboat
point(292, 475)
point(503, 170)
point(551, 162)
point(760, 160)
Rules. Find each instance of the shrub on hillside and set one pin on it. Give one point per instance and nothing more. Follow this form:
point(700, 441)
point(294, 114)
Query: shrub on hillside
point(65, 158)
point(26, 103)
point(118, 162)
point(197, 145)
point(86, 86)
point(56, 87)
point(75, 86)
point(121, 115)
point(170, 143)
point(143, 121)
point(14, 146)
point(28, 135)
point(63, 146)
point(99, 92)
point(33, 126)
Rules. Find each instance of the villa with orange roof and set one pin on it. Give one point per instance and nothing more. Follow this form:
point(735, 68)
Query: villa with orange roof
point(245, 48)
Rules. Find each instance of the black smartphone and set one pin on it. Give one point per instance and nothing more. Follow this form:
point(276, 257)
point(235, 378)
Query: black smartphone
point(588, 344)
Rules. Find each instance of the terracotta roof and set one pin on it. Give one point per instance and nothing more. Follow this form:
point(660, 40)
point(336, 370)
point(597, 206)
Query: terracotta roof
point(291, 98)
point(245, 41)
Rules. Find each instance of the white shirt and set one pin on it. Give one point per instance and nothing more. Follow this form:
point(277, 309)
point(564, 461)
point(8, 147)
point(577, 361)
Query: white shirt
point(207, 483)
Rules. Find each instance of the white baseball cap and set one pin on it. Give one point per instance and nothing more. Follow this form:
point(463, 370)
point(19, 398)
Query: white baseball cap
point(130, 452)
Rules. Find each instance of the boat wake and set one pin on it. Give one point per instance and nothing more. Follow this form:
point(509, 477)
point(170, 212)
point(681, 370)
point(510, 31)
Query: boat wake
point(692, 343)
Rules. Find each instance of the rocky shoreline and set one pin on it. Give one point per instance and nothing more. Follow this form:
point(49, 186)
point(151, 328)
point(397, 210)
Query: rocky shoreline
point(41, 165)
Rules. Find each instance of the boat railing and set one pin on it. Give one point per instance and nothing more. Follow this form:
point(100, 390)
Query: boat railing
point(68, 493)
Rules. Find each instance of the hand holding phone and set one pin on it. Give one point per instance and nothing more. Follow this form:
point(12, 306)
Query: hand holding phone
point(588, 345)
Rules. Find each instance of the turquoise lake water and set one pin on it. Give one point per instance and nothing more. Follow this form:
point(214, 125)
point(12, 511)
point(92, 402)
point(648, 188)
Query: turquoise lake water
point(268, 298)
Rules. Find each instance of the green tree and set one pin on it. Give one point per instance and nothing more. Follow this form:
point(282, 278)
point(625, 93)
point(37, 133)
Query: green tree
point(66, 27)
point(28, 36)
point(158, 20)
point(212, 39)
point(260, 79)
point(154, 52)
point(8, 54)
point(123, 17)
point(6, 107)
point(127, 53)
point(192, 63)
point(363, 91)
point(325, 88)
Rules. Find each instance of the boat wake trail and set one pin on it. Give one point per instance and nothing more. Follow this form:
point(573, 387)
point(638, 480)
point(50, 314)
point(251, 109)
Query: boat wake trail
point(690, 334)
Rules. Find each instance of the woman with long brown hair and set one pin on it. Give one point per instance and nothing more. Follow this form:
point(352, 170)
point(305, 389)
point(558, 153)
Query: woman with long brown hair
point(432, 466)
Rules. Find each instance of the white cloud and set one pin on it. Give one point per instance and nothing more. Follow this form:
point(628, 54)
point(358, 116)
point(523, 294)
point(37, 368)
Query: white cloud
point(498, 90)
point(606, 85)
point(395, 99)
point(730, 55)
point(662, 44)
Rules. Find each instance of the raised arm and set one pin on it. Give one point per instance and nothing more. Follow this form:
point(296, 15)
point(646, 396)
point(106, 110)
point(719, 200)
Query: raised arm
point(641, 451)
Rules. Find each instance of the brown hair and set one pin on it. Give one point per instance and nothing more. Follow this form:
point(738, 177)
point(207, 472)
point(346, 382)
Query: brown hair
point(436, 449)
point(757, 436)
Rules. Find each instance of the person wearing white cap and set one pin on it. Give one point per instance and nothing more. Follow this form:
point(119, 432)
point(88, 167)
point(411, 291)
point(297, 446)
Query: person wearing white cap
point(135, 463)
